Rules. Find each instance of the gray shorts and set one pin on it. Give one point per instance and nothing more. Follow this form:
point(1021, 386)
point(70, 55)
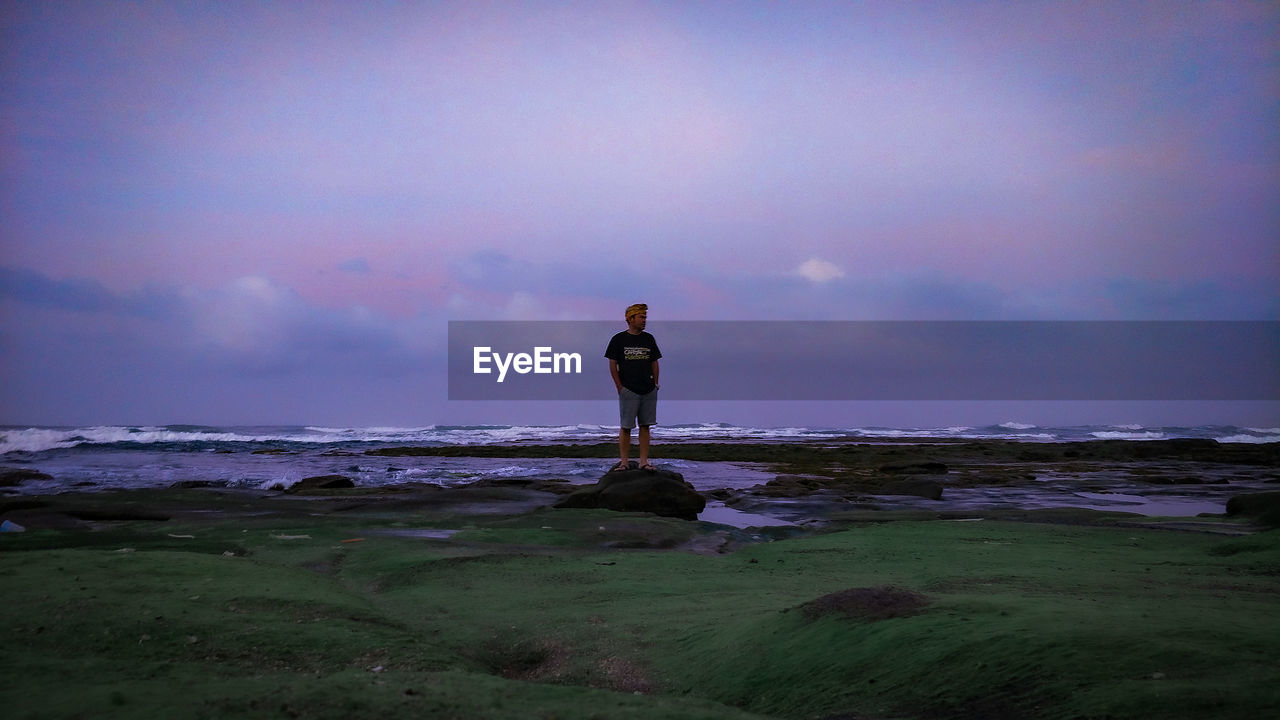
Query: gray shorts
point(633, 407)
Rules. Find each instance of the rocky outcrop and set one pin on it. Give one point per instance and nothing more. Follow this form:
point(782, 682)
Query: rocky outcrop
point(661, 492)
point(1263, 506)
point(910, 483)
point(916, 486)
point(321, 482)
point(195, 484)
point(12, 477)
point(914, 468)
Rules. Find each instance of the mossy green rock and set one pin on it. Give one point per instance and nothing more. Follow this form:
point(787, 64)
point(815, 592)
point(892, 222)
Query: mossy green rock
point(1263, 506)
point(660, 492)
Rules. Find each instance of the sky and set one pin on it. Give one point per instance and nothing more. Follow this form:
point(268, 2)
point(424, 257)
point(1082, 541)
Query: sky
point(267, 213)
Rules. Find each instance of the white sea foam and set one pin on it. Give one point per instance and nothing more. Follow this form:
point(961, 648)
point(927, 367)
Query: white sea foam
point(1257, 439)
point(1115, 435)
point(370, 434)
point(39, 439)
point(715, 431)
point(957, 431)
point(1040, 437)
point(34, 440)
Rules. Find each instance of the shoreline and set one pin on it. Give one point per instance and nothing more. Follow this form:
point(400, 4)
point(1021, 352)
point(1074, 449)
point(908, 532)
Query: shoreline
point(792, 482)
point(782, 451)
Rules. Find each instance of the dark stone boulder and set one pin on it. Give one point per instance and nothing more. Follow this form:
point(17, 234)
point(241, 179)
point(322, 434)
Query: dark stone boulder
point(12, 477)
point(660, 492)
point(321, 482)
point(47, 520)
point(914, 468)
point(194, 484)
point(1264, 506)
point(792, 485)
point(918, 487)
point(559, 486)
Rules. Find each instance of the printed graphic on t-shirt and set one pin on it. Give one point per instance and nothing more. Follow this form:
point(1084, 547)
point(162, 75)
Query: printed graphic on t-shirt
point(635, 353)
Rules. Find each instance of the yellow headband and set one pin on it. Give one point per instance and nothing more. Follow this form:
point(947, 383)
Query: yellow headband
point(636, 310)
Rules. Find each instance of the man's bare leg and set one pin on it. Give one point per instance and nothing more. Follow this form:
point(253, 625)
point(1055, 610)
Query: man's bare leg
point(644, 445)
point(624, 443)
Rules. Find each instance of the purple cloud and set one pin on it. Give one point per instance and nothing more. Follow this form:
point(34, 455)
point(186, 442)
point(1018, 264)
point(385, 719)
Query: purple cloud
point(289, 188)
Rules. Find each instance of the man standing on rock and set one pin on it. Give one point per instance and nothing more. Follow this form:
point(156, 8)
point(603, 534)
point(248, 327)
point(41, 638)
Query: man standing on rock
point(633, 362)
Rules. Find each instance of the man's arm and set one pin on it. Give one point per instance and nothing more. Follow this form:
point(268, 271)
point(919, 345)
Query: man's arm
point(613, 370)
point(655, 373)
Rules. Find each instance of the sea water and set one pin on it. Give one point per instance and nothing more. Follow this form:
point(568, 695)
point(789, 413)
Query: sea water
point(117, 457)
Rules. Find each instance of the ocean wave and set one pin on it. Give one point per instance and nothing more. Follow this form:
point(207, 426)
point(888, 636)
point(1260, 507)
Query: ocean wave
point(41, 439)
point(196, 438)
point(957, 430)
point(712, 431)
point(1039, 437)
point(1257, 439)
point(1116, 435)
point(359, 433)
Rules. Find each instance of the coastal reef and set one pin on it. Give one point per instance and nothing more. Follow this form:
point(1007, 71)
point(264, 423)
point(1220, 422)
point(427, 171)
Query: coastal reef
point(487, 602)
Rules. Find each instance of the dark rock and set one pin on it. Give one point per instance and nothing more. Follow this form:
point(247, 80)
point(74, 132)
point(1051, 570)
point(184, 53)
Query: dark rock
point(792, 485)
point(661, 492)
point(321, 482)
point(918, 487)
point(522, 482)
point(46, 520)
point(868, 603)
point(914, 468)
point(1264, 506)
point(559, 486)
point(798, 486)
point(24, 504)
point(189, 484)
point(12, 477)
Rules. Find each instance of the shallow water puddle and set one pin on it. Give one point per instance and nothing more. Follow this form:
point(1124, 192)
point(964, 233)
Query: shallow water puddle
point(719, 513)
point(1154, 506)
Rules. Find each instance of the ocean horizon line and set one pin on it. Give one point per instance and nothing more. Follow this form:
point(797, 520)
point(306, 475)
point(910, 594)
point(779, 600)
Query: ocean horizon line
point(176, 437)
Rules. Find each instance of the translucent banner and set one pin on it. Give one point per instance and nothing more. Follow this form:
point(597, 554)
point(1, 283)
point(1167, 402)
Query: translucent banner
point(880, 360)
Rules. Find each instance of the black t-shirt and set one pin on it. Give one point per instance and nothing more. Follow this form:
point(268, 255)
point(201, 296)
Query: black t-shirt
point(635, 355)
